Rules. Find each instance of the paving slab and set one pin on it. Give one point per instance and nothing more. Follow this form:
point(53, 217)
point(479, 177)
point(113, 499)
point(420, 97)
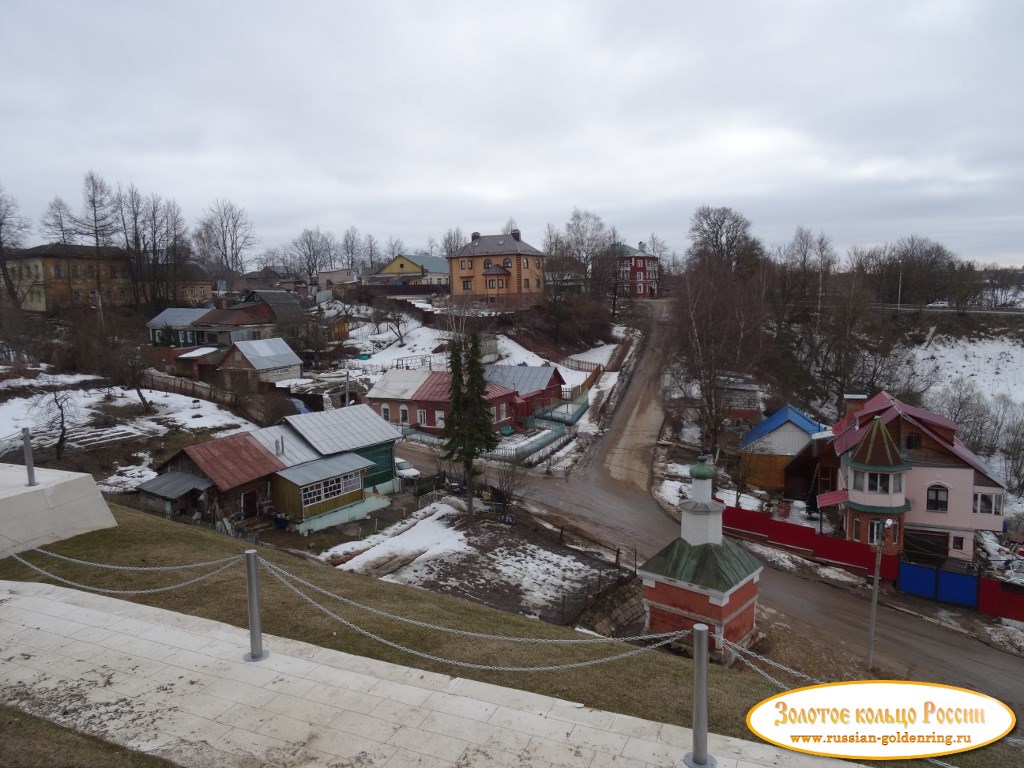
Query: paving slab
point(177, 687)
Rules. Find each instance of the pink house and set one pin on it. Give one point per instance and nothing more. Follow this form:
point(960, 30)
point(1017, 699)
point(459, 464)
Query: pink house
point(907, 482)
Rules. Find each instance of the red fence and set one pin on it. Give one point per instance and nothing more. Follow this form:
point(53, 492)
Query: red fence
point(852, 555)
point(995, 598)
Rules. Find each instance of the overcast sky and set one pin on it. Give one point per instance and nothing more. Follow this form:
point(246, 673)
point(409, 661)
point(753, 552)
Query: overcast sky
point(868, 121)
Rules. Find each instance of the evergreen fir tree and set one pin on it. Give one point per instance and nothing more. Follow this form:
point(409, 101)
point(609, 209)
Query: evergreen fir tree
point(468, 428)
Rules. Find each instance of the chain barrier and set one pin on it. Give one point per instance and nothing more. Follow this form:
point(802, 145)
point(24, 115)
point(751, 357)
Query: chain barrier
point(105, 591)
point(466, 664)
point(463, 632)
point(781, 667)
point(141, 568)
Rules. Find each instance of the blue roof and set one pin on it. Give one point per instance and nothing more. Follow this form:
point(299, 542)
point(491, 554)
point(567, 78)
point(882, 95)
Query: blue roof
point(787, 413)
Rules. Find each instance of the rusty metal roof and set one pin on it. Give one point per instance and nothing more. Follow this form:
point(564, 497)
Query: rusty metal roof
point(438, 389)
point(234, 460)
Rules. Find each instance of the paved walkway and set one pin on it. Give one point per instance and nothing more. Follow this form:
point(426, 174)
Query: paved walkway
point(178, 686)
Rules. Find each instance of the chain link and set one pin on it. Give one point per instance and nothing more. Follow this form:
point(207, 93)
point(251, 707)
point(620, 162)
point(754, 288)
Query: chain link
point(463, 632)
point(104, 591)
point(782, 667)
point(467, 664)
point(120, 567)
point(763, 674)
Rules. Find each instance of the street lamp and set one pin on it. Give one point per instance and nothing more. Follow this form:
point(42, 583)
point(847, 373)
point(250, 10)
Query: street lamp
point(874, 593)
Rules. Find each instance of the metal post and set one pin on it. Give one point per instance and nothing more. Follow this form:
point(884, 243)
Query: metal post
point(252, 580)
point(874, 605)
point(26, 438)
point(700, 756)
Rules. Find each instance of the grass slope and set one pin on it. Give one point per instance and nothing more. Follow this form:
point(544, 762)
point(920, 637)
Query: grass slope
point(655, 686)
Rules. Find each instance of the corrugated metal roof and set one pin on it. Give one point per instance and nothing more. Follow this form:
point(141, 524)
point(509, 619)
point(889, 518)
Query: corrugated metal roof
point(719, 567)
point(343, 429)
point(399, 384)
point(268, 353)
point(322, 469)
point(524, 379)
point(234, 460)
point(173, 484)
point(787, 413)
point(176, 317)
point(295, 449)
point(438, 389)
point(198, 352)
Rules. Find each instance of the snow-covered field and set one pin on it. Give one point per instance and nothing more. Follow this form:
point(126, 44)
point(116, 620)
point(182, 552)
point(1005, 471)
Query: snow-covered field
point(993, 366)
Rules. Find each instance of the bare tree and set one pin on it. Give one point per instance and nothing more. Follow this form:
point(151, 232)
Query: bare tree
point(452, 241)
point(395, 319)
point(57, 412)
point(224, 237)
point(177, 243)
point(393, 247)
point(58, 223)
point(131, 234)
point(586, 239)
point(312, 251)
point(98, 220)
point(13, 229)
point(371, 251)
point(509, 226)
point(513, 481)
point(351, 248)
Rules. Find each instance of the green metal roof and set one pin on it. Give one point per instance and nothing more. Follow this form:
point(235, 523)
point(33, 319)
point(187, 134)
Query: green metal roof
point(713, 566)
point(899, 509)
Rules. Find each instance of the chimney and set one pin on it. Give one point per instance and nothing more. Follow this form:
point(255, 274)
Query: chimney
point(515, 235)
point(475, 236)
point(641, 247)
point(853, 403)
point(701, 516)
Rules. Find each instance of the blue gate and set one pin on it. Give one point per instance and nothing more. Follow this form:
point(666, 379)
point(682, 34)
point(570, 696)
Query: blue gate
point(936, 584)
point(918, 580)
point(958, 588)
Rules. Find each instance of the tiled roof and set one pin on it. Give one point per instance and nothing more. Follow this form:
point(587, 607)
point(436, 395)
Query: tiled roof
point(718, 567)
point(343, 429)
point(233, 460)
point(495, 245)
point(495, 269)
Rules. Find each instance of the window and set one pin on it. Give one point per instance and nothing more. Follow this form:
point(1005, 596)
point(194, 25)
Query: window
point(124, 294)
point(958, 543)
point(113, 271)
point(878, 482)
point(875, 532)
point(351, 482)
point(385, 413)
point(639, 275)
point(466, 264)
point(467, 285)
point(988, 504)
point(487, 263)
point(913, 441)
point(640, 288)
point(858, 480)
point(938, 499)
point(494, 414)
point(91, 271)
point(124, 273)
point(501, 283)
point(897, 483)
point(58, 271)
point(439, 418)
point(421, 416)
point(502, 412)
point(526, 263)
point(403, 414)
point(74, 271)
point(332, 487)
point(526, 284)
point(312, 494)
point(202, 290)
point(491, 283)
point(856, 528)
point(507, 263)
point(94, 295)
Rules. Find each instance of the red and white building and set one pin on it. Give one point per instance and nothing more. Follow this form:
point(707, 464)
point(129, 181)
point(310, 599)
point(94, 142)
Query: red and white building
point(639, 273)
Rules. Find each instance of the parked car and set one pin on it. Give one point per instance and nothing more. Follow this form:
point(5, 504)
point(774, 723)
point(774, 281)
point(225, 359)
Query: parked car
point(938, 304)
point(406, 470)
